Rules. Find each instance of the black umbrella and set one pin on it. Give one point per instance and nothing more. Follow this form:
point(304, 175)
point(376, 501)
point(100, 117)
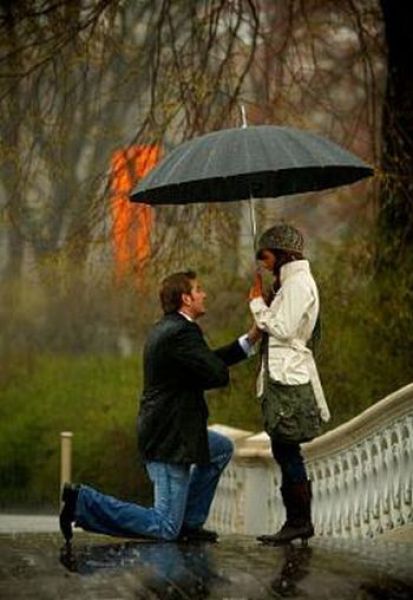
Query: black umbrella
point(262, 161)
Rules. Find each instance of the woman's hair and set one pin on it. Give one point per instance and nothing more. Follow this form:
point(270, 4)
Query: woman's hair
point(173, 287)
point(282, 258)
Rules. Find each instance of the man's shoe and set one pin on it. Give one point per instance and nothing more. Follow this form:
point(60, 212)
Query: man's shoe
point(67, 515)
point(197, 534)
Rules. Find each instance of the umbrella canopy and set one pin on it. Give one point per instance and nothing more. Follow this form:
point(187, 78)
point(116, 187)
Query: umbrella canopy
point(251, 162)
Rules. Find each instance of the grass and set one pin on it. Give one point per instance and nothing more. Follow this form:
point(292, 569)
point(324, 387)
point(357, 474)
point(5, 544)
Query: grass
point(364, 354)
point(95, 397)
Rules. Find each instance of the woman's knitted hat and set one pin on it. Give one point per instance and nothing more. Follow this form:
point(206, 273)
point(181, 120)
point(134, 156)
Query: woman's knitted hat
point(281, 237)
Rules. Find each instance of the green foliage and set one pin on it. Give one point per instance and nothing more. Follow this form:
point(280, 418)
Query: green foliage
point(96, 398)
point(364, 354)
point(367, 330)
point(93, 396)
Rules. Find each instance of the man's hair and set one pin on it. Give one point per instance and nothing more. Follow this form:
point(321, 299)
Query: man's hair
point(173, 287)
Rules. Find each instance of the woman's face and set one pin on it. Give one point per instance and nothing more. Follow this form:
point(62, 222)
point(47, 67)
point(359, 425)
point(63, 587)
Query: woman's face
point(268, 260)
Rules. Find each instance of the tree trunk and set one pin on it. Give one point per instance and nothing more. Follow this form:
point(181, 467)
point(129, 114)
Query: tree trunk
point(10, 134)
point(396, 195)
point(14, 260)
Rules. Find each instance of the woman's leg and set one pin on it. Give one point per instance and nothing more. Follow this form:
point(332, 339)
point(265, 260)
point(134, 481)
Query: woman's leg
point(291, 462)
point(296, 495)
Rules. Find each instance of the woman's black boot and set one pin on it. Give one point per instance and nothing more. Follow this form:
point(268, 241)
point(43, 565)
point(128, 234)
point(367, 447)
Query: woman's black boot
point(297, 501)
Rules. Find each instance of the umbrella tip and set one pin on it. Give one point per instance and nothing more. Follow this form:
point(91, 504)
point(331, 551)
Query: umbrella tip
point(243, 117)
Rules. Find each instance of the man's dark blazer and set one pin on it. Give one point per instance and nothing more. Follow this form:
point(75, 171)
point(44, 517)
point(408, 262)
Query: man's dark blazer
point(178, 367)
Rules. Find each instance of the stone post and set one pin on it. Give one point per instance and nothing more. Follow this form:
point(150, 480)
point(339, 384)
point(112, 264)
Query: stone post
point(65, 457)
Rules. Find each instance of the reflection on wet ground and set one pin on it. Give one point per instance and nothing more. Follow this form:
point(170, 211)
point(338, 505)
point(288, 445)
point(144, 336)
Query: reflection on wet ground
point(165, 570)
point(37, 566)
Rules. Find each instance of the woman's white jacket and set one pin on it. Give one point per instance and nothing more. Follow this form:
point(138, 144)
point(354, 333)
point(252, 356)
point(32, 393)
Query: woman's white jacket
point(289, 322)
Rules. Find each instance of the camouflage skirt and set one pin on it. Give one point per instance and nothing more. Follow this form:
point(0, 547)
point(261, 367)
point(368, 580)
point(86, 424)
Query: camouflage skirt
point(290, 412)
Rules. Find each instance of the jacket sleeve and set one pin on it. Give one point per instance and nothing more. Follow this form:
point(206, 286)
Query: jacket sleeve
point(231, 354)
point(282, 318)
point(198, 363)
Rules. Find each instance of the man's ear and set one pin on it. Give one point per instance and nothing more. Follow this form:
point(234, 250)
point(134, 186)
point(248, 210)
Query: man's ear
point(185, 299)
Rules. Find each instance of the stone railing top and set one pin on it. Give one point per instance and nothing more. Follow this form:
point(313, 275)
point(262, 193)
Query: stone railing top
point(232, 433)
point(397, 404)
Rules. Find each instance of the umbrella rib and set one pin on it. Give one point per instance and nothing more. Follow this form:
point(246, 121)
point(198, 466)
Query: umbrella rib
point(289, 135)
point(176, 164)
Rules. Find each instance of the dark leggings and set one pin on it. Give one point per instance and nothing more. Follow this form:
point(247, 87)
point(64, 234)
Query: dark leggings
point(291, 462)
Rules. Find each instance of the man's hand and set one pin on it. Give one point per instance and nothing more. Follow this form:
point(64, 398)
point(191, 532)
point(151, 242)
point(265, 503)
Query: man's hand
point(256, 290)
point(254, 334)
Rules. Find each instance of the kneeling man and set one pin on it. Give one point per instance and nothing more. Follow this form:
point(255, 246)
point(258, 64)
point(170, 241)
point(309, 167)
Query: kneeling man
point(183, 458)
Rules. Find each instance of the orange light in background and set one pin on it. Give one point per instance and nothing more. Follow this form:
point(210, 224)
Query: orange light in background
point(132, 222)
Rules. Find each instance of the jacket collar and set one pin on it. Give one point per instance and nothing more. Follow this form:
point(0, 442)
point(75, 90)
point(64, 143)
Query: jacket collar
point(185, 316)
point(294, 267)
point(177, 316)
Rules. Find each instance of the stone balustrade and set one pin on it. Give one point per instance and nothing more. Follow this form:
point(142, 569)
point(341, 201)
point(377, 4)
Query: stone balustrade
point(362, 474)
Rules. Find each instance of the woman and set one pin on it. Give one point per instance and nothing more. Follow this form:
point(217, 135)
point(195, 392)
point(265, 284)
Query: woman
point(288, 384)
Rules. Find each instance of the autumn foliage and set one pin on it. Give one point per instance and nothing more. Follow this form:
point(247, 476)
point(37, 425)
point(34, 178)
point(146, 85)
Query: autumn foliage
point(132, 223)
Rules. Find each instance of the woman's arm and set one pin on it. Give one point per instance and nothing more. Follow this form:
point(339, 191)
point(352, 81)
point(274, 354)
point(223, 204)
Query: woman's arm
point(282, 318)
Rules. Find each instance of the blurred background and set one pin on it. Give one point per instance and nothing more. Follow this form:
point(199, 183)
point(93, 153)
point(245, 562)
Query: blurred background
point(93, 93)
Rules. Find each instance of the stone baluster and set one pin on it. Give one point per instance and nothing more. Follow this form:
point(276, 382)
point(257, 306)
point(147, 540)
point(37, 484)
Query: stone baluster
point(362, 474)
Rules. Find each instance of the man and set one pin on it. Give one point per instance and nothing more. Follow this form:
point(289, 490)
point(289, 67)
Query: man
point(183, 459)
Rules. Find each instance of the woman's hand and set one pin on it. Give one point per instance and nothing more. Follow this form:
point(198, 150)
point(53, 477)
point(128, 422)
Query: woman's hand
point(256, 290)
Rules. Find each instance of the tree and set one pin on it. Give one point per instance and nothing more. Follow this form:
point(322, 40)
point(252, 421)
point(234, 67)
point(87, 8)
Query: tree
point(396, 193)
point(83, 79)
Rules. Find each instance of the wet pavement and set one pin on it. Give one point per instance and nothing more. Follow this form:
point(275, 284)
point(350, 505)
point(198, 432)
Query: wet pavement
point(37, 565)
point(26, 523)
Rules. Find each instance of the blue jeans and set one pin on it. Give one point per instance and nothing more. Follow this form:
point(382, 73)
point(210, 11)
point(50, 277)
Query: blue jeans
point(182, 495)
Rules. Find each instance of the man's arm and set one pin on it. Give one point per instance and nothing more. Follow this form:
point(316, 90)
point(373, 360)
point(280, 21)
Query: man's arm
point(198, 364)
point(242, 348)
point(231, 354)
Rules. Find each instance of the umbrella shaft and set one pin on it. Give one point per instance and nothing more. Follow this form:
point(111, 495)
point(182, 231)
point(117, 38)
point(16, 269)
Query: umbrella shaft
point(253, 224)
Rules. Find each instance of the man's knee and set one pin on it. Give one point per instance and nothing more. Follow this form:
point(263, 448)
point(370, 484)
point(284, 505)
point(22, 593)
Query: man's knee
point(229, 448)
point(226, 446)
point(221, 448)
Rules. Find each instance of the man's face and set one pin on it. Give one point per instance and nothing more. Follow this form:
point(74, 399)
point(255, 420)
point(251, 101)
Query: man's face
point(193, 303)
